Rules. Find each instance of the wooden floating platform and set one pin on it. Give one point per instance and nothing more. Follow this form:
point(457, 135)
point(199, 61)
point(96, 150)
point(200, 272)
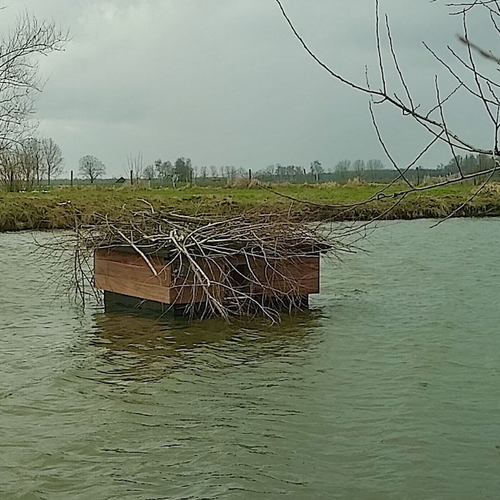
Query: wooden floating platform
point(130, 279)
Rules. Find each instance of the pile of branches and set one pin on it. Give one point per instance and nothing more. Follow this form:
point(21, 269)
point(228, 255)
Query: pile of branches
point(206, 249)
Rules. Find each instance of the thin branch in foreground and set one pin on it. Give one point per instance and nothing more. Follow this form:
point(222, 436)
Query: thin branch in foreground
point(483, 53)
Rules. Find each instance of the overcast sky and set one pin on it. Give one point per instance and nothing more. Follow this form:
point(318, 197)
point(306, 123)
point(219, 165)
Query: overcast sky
point(224, 82)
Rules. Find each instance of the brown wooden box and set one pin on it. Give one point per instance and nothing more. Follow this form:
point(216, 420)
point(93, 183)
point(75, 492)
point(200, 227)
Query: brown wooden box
point(127, 273)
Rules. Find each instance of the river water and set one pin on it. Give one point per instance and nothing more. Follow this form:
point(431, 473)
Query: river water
point(388, 389)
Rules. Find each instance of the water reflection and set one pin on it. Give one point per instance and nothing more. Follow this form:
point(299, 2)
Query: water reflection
point(138, 346)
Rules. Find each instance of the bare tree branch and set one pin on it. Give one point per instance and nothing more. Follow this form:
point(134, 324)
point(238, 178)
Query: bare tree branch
point(432, 120)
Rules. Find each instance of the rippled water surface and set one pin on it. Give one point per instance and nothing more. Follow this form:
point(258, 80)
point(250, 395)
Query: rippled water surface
point(388, 389)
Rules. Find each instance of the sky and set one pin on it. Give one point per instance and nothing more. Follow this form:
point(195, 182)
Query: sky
point(225, 82)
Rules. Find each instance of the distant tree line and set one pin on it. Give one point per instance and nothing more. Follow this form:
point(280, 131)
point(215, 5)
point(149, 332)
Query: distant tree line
point(183, 171)
point(373, 171)
point(468, 164)
point(29, 163)
point(35, 161)
point(180, 171)
point(316, 172)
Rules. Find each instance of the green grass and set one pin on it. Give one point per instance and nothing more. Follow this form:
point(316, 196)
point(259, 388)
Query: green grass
point(58, 207)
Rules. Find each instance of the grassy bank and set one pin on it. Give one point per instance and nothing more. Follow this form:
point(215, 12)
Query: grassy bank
point(59, 207)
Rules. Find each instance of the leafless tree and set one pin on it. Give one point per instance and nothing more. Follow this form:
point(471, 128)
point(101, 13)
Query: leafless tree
point(194, 174)
point(19, 79)
point(27, 162)
point(12, 175)
point(472, 80)
point(31, 160)
point(21, 165)
point(135, 164)
point(91, 168)
point(20, 157)
point(214, 171)
point(52, 157)
point(374, 164)
point(342, 168)
point(149, 172)
point(203, 172)
point(164, 170)
point(358, 166)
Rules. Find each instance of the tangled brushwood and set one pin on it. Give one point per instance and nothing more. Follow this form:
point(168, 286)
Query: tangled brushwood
point(245, 265)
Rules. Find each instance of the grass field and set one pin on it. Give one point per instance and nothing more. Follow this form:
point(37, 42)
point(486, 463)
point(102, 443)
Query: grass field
point(59, 207)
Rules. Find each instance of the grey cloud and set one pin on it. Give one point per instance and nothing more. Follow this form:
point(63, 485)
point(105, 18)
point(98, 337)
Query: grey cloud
point(227, 83)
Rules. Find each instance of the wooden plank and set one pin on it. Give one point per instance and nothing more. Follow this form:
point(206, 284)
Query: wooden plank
point(299, 275)
point(141, 274)
point(123, 286)
point(185, 294)
point(127, 273)
point(131, 258)
point(185, 290)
